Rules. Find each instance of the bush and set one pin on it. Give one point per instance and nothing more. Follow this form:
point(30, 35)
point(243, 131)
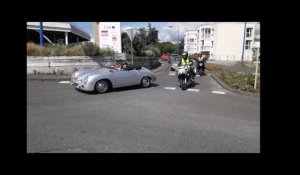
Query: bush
point(59, 49)
point(73, 51)
point(91, 49)
point(106, 52)
point(156, 50)
point(149, 53)
point(36, 50)
point(244, 64)
point(236, 80)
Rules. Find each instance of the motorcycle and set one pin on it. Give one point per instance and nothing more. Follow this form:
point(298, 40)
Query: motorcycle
point(200, 67)
point(184, 75)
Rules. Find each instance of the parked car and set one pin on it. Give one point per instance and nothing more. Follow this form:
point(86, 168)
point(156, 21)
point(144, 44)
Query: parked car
point(174, 60)
point(165, 57)
point(102, 80)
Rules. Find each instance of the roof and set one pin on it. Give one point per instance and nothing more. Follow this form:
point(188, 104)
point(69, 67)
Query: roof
point(60, 27)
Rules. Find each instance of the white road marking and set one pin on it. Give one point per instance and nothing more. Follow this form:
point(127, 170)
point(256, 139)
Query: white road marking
point(172, 73)
point(193, 90)
point(218, 92)
point(198, 75)
point(65, 82)
point(170, 88)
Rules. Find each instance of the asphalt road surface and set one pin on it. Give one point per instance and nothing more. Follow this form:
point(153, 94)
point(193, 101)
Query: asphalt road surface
point(160, 119)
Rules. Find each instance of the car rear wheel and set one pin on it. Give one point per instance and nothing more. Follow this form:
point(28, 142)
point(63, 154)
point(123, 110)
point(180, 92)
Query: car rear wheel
point(101, 86)
point(146, 81)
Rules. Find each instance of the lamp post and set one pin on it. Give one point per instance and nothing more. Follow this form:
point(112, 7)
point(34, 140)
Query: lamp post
point(177, 36)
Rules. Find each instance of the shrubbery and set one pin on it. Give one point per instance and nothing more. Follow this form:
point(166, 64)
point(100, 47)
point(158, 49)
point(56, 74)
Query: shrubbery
point(240, 81)
point(153, 49)
point(88, 49)
point(91, 49)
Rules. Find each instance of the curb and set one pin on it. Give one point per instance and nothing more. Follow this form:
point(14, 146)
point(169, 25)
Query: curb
point(221, 83)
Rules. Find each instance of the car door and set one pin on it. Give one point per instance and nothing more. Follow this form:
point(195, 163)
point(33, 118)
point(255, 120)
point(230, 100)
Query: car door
point(126, 77)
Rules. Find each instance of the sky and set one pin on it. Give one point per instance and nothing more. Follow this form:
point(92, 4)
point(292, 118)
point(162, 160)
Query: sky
point(165, 33)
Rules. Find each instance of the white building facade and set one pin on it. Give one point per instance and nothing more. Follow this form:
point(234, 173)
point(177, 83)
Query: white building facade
point(191, 41)
point(223, 40)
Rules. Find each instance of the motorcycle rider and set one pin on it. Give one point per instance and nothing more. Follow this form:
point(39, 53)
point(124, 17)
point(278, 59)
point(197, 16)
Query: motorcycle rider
point(201, 57)
point(185, 60)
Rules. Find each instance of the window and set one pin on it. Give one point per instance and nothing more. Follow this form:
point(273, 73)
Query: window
point(248, 44)
point(192, 40)
point(249, 32)
point(207, 33)
point(212, 43)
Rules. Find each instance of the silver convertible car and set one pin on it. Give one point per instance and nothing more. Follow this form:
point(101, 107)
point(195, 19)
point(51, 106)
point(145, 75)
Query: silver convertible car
point(101, 80)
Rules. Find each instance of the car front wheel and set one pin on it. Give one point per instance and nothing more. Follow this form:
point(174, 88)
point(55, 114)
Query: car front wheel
point(146, 82)
point(101, 86)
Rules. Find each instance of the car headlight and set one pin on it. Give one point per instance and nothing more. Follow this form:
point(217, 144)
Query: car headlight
point(85, 80)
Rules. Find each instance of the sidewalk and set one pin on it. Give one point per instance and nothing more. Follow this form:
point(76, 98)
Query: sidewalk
point(48, 77)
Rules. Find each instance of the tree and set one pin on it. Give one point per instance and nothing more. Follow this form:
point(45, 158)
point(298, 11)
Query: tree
point(167, 47)
point(152, 37)
point(126, 43)
point(139, 41)
point(181, 46)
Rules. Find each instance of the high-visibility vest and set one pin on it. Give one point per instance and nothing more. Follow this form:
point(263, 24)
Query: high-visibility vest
point(200, 58)
point(183, 62)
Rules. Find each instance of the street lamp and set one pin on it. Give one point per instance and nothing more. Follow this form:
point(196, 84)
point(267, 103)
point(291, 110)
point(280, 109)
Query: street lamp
point(177, 37)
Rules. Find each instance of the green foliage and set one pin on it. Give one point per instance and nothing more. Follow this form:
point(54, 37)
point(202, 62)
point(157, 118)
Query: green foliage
point(91, 49)
point(240, 81)
point(154, 49)
point(167, 48)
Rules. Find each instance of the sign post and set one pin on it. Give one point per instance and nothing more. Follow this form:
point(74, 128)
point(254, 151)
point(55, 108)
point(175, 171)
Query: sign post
point(131, 33)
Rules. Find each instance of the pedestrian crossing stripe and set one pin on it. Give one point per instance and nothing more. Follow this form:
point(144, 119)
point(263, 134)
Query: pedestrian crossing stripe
point(218, 92)
point(65, 82)
point(193, 90)
point(170, 88)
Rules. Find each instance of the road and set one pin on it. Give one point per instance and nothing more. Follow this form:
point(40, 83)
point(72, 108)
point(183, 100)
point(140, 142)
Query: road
point(159, 119)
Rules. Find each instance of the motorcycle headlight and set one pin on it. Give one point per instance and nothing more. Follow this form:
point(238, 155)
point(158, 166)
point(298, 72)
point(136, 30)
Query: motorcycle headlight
point(85, 80)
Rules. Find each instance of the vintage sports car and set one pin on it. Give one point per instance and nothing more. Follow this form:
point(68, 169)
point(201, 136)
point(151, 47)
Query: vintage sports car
point(102, 80)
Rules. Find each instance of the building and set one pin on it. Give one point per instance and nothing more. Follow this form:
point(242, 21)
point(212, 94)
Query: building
point(56, 31)
point(108, 35)
point(191, 41)
point(256, 49)
point(222, 40)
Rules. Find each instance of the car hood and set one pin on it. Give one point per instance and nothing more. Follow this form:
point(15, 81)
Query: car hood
point(87, 72)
